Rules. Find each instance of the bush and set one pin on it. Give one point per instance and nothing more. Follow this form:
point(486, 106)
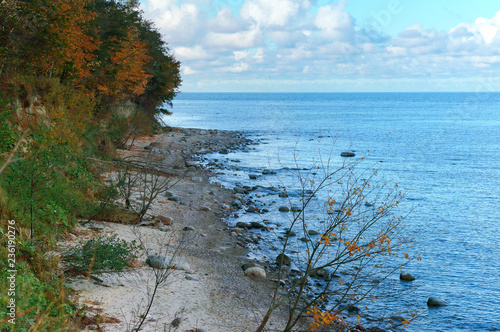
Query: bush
point(101, 254)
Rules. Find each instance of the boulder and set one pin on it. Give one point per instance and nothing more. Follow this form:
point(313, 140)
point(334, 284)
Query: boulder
point(283, 258)
point(167, 221)
point(433, 302)
point(255, 272)
point(160, 261)
point(237, 203)
point(405, 276)
point(246, 266)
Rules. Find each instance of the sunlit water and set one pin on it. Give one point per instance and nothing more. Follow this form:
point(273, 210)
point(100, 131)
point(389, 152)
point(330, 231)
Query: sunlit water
point(442, 148)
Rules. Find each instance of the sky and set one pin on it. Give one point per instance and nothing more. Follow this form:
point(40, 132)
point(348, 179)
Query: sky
point(332, 46)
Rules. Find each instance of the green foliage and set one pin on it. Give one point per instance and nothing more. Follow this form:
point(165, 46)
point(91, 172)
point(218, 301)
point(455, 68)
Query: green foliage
point(101, 254)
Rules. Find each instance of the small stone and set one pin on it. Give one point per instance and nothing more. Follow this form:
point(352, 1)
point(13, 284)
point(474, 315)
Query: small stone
point(237, 203)
point(175, 198)
point(296, 208)
point(197, 179)
point(255, 272)
point(253, 176)
point(313, 232)
point(72, 237)
point(405, 276)
point(205, 208)
point(284, 209)
point(352, 309)
point(347, 154)
point(188, 229)
point(182, 266)
point(283, 195)
point(160, 261)
point(167, 221)
point(242, 224)
point(134, 263)
point(155, 144)
point(282, 257)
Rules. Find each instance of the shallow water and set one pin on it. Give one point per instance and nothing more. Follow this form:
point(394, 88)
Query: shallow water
point(442, 148)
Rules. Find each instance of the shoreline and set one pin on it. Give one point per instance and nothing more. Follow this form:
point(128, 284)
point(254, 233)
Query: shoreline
point(212, 293)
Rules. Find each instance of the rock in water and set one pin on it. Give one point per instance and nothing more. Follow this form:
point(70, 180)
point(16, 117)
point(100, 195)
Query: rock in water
point(286, 260)
point(433, 302)
point(347, 154)
point(255, 272)
point(405, 276)
point(284, 209)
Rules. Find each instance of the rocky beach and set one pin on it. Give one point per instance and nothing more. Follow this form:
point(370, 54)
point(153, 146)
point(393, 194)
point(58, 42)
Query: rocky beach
point(209, 289)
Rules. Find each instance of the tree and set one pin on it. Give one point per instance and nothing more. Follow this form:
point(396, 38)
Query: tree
point(360, 232)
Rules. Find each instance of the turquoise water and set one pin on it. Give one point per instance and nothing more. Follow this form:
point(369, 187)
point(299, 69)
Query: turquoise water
point(442, 148)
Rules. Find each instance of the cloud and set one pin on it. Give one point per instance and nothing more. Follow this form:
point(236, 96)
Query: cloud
point(299, 40)
point(266, 13)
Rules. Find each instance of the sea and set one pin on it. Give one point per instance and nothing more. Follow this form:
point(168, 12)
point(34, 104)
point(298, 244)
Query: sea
point(442, 150)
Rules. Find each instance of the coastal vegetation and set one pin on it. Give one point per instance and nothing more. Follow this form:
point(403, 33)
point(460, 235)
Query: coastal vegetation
point(77, 80)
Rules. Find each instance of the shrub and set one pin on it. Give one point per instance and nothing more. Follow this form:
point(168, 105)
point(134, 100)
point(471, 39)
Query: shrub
point(101, 254)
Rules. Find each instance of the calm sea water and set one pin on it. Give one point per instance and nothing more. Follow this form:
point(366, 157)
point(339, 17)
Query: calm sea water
point(442, 148)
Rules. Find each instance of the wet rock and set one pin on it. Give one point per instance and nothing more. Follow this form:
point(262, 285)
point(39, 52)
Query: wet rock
point(405, 276)
point(304, 239)
point(352, 309)
point(433, 302)
point(240, 190)
point(253, 209)
point(223, 151)
point(237, 203)
point(283, 195)
point(400, 319)
point(257, 225)
point(290, 233)
point(242, 224)
point(323, 274)
point(283, 258)
point(284, 209)
point(347, 154)
point(253, 176)
point(296, 208)
point(255, 272)
point(268, 171)
point(313, 232)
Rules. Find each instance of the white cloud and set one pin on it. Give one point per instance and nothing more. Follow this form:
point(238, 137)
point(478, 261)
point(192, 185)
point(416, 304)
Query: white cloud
point(189, 71)
point(335, 23)
point(235, 40)
point(236, 68)
point(191, 53)
point(268, 13)
point(283, 39)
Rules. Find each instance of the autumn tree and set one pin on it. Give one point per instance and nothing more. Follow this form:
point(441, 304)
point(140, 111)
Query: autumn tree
point(360, 232)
